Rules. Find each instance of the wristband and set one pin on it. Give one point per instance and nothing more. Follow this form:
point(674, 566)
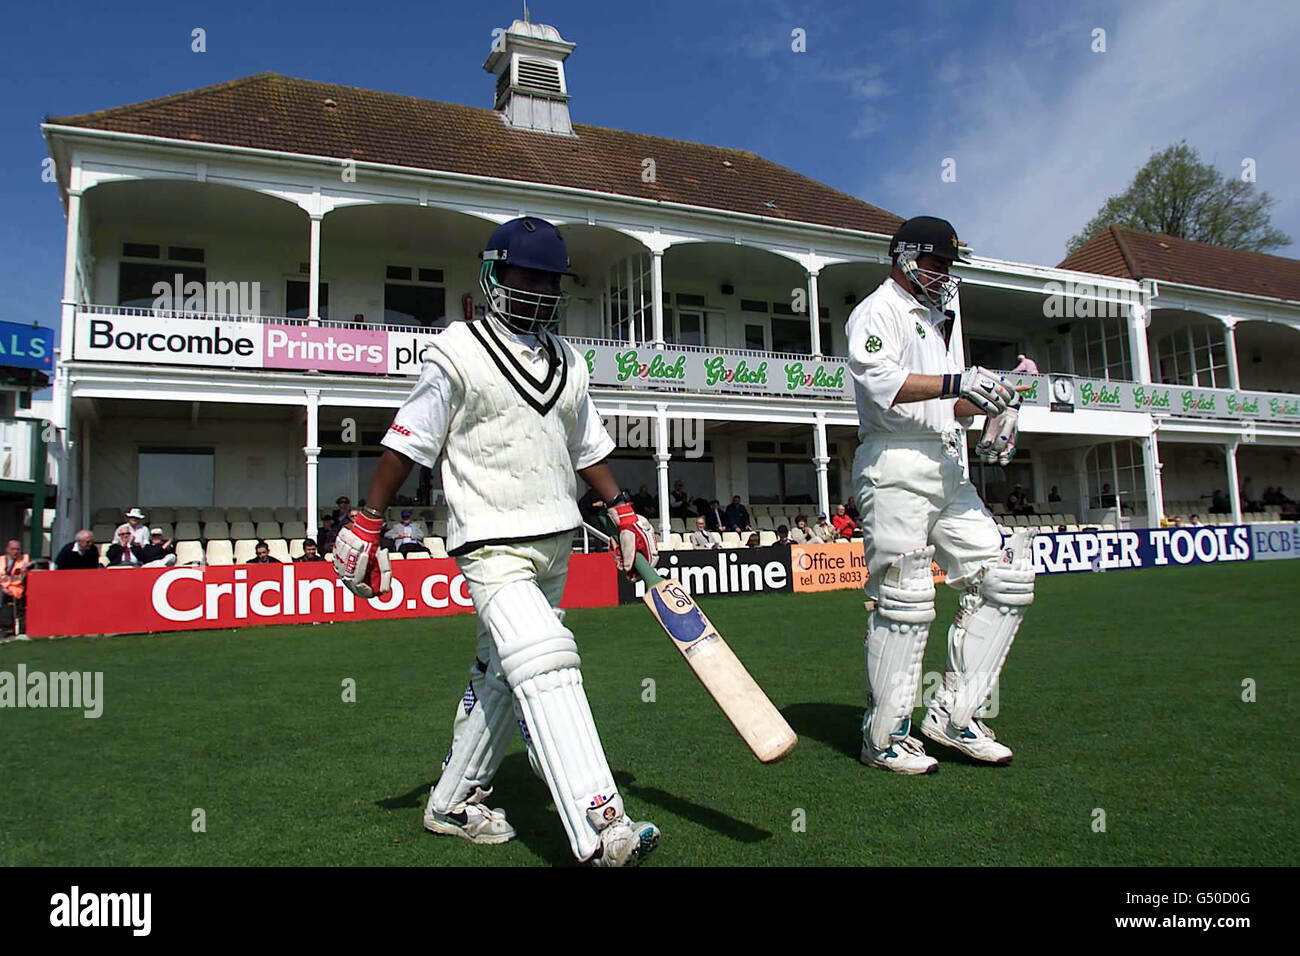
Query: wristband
point(370, 512)
point(950, 386)
point(622, 498)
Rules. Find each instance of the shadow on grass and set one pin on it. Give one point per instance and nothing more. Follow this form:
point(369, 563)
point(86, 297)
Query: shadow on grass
point(715, 820)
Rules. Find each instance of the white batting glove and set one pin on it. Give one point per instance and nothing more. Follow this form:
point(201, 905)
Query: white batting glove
point(985, 390)
point(635, 535)
point(997, 444)
point(360, 565)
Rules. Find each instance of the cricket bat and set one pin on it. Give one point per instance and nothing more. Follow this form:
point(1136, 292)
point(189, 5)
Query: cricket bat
point(732, 688)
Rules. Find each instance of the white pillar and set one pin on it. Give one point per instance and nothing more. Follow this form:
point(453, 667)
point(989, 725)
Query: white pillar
point(1233, 491)
point(661, 467)
point(1230, 347)
point(312, 451)
point(313, 272)
point(1139, 318)
point(62, 410)
point(657, 292)
point(631, 306)
point(83, 460)
point(1151, 468)
point(821, 459)
point(814, 315)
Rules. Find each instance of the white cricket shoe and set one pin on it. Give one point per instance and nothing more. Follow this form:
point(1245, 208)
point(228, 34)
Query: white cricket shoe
point(976, 741)
point(471, 820)
point(626, 843)
point(905, 754)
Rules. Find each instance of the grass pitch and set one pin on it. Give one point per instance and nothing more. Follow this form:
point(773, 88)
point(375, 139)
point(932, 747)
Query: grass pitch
point(1123, 694)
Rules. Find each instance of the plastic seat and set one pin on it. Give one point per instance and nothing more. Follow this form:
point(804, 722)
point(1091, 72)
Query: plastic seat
point(437, 547)
point(766, 537)
point(207, 515)
point(395, 555)
point(279, 549)
point(764, 524)
point(295, 548)
point(677, 524)
point(285, 514)
point(245, 550)
point(216, 529)
point(243, 529)
point(187, 514)
point(187, 531)
point(266, 530)
point(159, 515)
point(103, 533)
point(237, 515)
point(219, 552)
point(261, 514)
point(731, 539)
point(421, 555)
point(294, 529)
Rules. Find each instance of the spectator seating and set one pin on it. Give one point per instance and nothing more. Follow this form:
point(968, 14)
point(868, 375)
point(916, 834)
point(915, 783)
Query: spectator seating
point(207, 515)
point(242, 529)
point(766, 537)
point(187, 530)
point(233, 515)
point(731, 539)
point(219, 552)
point(216, 529)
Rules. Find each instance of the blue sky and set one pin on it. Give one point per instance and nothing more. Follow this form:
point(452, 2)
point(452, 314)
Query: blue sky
point(1041, 128)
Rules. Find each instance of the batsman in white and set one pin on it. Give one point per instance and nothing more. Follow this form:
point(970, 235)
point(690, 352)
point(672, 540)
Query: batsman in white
point(503, 406)
point(918, 505)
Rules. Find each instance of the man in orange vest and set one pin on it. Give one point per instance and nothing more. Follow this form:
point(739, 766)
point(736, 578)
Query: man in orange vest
point(13, 584)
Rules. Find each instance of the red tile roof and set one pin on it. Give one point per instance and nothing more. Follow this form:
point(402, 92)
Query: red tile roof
point(1134, 254)
point(272, 111)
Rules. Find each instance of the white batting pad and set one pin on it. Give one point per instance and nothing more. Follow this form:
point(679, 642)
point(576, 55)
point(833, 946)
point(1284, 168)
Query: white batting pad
point(541, 665)
point(479, 738)
point(981, 636)
point(898, 629)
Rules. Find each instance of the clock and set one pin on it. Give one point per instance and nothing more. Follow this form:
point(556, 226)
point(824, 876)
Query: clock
point(1063, 391)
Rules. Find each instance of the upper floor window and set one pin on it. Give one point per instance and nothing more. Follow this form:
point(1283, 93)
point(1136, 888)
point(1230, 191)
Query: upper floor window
point(1196, 356)
point(146, 264)
point(1101, 349)
point(414, 296)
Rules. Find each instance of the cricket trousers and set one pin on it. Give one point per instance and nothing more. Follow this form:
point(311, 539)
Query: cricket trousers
point(912, 492)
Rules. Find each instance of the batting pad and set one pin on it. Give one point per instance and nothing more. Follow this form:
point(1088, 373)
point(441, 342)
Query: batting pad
point(898, 629)
point(541, 665)
point(981, 636)
point(479, 737)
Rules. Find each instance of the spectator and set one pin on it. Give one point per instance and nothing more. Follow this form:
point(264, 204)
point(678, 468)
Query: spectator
point(782, 536)
point(802, 534)
point(139, 531)
point(678, 501)
point(753, 540)
point(704, 539)
point(1107, 499)
point(158, 553)
point(1194, 521)
point(342, 511)
point(698, 507)
point(79, 553)
point(1219, 503)
point(645, 504)
point(1018, 501)
point(121, 553)
point(13, 589)
point(1025, 365)
point(738, 516)
point(715, 518)
point(851, 509)
point(262, 554)
point(326, 534)
point(309, 552)
point(1054, 496)
point(825, 530)
point(407, 536)
point(845, 526)
point(1176, 522)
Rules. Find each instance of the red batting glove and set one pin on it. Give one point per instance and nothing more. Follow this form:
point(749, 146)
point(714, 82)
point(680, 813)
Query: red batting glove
point(359, 563)
point(635, 536)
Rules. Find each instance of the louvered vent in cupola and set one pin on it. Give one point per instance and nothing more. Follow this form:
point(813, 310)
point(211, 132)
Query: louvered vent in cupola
point(540, 76)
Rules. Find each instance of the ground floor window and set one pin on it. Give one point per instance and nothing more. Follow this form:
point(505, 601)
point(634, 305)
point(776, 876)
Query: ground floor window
point(349, 472)
point(1114, 467)
point(175, 476)
point(789, 482)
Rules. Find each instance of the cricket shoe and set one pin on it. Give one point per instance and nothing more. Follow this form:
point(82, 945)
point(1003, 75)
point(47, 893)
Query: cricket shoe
point(976, 741)
point(905, 754)
point(471, 820)
point(626, 843)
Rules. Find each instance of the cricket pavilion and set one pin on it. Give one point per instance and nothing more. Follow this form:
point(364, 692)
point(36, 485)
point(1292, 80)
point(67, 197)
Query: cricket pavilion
point(309, 240)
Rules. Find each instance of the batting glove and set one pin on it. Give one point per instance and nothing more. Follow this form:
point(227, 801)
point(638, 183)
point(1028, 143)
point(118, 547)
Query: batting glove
point(997, 444)
point(635, 536)
point(360, 565)
point(986, 391)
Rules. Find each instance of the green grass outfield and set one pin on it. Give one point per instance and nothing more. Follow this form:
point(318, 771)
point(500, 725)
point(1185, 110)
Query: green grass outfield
point(1123, 692)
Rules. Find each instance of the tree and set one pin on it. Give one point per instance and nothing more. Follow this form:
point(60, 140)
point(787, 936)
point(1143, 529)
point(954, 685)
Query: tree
point(1177, 194)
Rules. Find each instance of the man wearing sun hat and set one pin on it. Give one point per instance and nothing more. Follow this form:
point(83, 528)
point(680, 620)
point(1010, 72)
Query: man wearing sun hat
point(405, 535)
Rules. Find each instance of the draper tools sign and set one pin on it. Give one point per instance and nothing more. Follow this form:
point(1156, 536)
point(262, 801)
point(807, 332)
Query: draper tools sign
point(1141, 548)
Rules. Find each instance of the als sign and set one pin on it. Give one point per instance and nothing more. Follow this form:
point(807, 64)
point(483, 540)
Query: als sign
point(1141, 548)
point(26, 346)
